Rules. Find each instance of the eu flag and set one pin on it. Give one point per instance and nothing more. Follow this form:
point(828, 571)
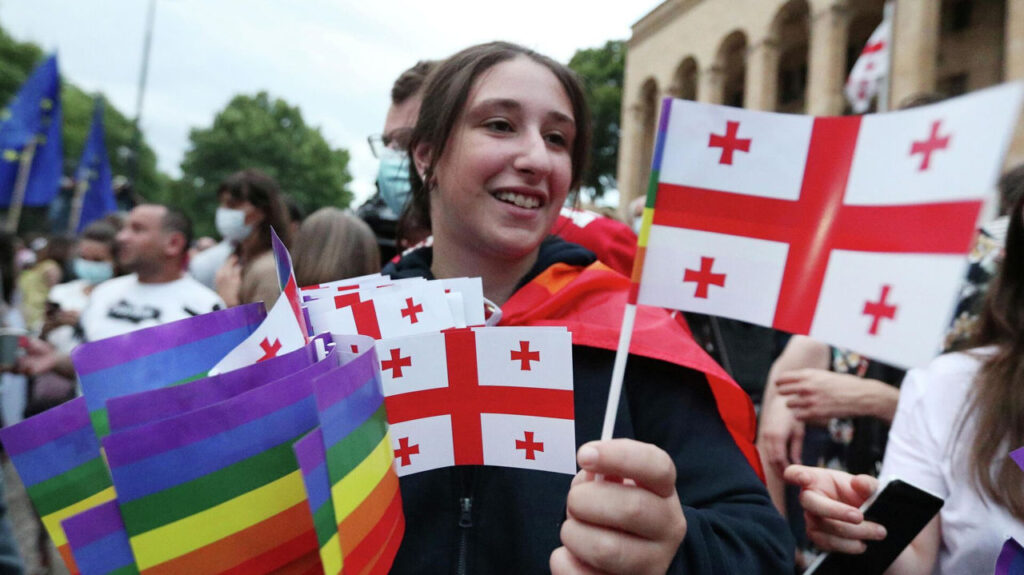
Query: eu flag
point(33, 116)
point(93, 175)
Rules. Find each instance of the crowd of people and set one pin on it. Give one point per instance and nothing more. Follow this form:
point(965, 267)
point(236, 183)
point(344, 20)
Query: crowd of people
point(481, 156)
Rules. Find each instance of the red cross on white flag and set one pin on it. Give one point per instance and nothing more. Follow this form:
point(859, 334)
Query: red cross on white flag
point(461, 399)
point(821, 213)
point(870, 69)
point(389, 311)
point(279, 334)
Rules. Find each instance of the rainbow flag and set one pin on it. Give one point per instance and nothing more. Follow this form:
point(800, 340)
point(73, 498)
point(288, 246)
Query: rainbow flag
point(218, 489)
point(99, 542)
point(364, 487)
point(1011, 559)
point(159, 356)
point(140, 408)
point(58, 459)
point(312, 458)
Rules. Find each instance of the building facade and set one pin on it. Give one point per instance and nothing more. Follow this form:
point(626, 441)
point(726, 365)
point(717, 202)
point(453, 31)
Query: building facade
point(794, 56)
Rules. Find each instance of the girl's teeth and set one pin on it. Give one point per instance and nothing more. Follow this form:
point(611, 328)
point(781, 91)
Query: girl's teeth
point(519, 200)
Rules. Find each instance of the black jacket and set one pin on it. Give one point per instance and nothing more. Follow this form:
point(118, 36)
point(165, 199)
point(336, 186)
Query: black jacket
point(503, 520)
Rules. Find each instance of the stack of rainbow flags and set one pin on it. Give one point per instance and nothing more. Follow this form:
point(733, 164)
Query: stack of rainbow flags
point(163, 468)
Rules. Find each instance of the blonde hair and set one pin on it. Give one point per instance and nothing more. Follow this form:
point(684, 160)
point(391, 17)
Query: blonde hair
point(333, 245)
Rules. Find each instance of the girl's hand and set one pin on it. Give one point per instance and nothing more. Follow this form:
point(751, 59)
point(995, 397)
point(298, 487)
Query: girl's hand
point(629, 522)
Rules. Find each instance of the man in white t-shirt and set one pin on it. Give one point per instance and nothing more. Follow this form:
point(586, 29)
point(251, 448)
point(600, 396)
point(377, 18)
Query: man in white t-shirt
point(153, 245)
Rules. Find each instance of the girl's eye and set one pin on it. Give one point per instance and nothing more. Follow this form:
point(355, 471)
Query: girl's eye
point(499, 125)
point(557, 139)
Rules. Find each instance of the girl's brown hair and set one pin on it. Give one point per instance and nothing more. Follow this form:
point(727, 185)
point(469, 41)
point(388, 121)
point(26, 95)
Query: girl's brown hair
point(333, 245)
point(445, 95)
point(996, 403)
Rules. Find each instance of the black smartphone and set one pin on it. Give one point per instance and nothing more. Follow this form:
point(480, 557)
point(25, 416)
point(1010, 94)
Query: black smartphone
point(903, 510)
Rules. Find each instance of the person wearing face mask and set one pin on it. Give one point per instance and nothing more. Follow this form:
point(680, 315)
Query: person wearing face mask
point(93, 264)
point(383, 209)
point(250, 205)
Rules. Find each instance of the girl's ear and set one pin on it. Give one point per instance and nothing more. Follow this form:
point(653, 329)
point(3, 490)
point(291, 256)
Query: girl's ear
point(421, 157)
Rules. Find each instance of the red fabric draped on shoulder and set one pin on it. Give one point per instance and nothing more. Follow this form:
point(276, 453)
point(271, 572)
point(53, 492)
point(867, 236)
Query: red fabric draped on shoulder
point(590, 302)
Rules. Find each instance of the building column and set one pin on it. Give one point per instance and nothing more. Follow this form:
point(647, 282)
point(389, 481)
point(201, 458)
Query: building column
point(710, 85)
point(915, 49)
point(1014, 48)
point(762, 81)
point(630, 171)
point(1014, 70)
point(826, 65)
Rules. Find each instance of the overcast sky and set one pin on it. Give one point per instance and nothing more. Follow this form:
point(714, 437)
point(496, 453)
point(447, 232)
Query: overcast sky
point(335, 59)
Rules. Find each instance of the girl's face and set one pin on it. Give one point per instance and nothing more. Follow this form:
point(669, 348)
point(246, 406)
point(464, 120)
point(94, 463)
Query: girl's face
point(252, 214)
point(506, 169)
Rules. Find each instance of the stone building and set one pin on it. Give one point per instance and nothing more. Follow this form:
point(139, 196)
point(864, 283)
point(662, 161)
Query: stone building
point(794, 56)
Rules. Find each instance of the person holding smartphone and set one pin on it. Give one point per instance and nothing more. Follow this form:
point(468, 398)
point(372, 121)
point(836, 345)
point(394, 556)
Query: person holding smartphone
point(956, 422)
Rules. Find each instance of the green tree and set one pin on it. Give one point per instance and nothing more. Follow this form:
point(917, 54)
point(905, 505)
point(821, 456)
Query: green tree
point(602, 70)
point(266, 133)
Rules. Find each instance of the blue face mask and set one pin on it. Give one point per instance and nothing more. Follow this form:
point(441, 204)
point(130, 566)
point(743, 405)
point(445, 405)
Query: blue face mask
point(393, 179)
point(93, 272)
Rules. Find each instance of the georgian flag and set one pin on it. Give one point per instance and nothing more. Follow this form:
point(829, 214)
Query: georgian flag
point(283, 330)
point(386, 312)
point(484, 396)
point(853, 230)
point(327, 290)
point(871, 67)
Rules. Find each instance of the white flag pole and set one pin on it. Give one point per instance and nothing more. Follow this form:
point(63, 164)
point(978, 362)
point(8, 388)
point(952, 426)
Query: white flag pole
point(888, 16)
point(618, 371)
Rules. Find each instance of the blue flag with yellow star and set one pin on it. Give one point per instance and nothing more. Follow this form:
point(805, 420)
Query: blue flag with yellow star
point(94, 172)
point(33, 116)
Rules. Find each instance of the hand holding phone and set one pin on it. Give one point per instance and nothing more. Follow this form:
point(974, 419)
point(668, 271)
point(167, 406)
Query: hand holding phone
point(904, 510)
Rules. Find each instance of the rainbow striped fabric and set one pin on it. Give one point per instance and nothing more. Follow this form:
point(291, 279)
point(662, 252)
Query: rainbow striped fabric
point(1011, 559)
point(312, 457)
point(364, 486)
point(99, 542)
point(218, 489)
point(58, 459)
point(140, 408)
point(159, 356)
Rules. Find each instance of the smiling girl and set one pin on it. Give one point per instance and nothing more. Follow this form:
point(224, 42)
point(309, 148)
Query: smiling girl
point(500, 141)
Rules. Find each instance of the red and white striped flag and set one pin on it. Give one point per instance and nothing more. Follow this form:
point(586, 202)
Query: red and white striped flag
point(485, 396)
point(853, 229)
point(870, 69)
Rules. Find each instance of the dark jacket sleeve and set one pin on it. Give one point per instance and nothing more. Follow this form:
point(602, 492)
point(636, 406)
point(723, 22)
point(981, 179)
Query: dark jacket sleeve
point(732, 526)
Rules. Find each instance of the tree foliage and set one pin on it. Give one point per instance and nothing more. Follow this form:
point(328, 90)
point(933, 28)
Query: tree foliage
point(602, 70)
point(18, 59)
point(266, 133)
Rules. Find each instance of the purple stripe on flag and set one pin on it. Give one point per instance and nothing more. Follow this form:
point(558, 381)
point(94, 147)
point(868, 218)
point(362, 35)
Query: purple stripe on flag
point(149, 406)
point(98, 540)
point(340, 383)
point(194, 460)
point(666, 109)
point(1011, 559)
point(343, 417)
point(92, 524)
point(105, 353)
point(56, 457)
point(45, 427)
point(283, 259)
point(312, 457)
point(1018, 457)
point(145, 441)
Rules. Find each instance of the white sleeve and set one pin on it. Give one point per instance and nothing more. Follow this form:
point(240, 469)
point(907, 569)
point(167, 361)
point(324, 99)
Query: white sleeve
point(914, 453)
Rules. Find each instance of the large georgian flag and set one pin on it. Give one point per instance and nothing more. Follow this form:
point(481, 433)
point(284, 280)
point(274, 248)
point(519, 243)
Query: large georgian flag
point(486, 396)
point(853, 230)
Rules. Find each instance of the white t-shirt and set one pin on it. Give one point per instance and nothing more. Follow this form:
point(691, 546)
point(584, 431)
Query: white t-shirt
point(122, 304)
point(925, 450)
point(205, 264)
point(68, 296)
